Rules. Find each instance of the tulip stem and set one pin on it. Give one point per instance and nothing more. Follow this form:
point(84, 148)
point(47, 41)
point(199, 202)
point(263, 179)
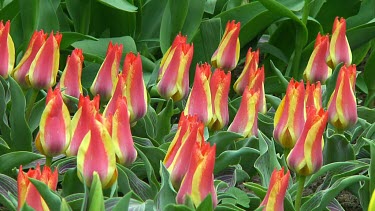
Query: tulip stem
point(159, 107)
point(48, 161)
point(301, 183)
point(31, 102)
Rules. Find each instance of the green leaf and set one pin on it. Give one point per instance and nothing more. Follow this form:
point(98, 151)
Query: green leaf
point(65, 206)
point(193, 18)
point(206, 204)
point(365, 14)
point(80, 11)
point(240, 197)
point(366, 113)
point(71, 37)
point(96, 199)
point(71, 183)
point(123, 203)
point(167, 194)
point(177, 207)
point(120, 4)
point(7, 185)
point(232, 157)
point(36, 114)
point(123, 182)
point(4, 124)
point(29, 10)
point(152, 13)
point(15, 159)
point(163, 125)
point(52, 200)
point(47, 20)
point(337, 148)
point(223, 139)
point(369, 75)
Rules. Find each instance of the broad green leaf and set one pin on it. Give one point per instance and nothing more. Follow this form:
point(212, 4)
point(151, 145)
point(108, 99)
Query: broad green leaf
point(11, 160)
point(274, 101)
point(369, 76)
point(241, 197)
point(337, 148)
point(193, 18)
point(223, 139)
point(123, 203)
point(152, 13)
point(177, 207)
point(71, 183)
point(232, 157)
point(10, 11)
point(64, 205)
point(75, 200)
point(89, 72)
point(4, 124)
point(364, 196)
point(47, 20)
point(206, 204)
point(7, 203)
point(123, 182)
point(120, 4)
point(265, 124)
point(167, 194)
point(365, 14)
point(163, 125)
point(153, 155)
point(209, 6)
point(3, 143)
point(71, 37)
point(80, 11)
point(52, 200)
point(96, 199)
point(36, 114)
point(29, 13)
point(7, 185)
point(274, 85)
point(360, 36)
point(366, 113)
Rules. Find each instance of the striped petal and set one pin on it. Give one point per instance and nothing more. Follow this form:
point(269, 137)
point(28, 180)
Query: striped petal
point(251, 65)
point(7, 53)
point(70, 80)
point(313, 96)
point(339, 48)
point(257, 84)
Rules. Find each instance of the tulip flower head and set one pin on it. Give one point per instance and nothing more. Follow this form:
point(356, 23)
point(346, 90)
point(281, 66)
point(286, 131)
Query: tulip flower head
point(317, 68)
point(70, 80)
point(119, 91)
point(199, 101)
point(251, 65)
point(290, 115)
point(274, 200)
point(27, 192)
point(257, 84)
point(54, 128)
point(313, 96)
point(44, 67)
point(174, 69)
point(306, 157)
point(339, 48)
point(227, 54)
point(342, 106)
point(7, 53)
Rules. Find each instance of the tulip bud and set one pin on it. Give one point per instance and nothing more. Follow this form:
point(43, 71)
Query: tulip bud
point(199, 101)
point(257, 84)
point(199, 179)
point(106, 76)
point(251, 65)
point(306, 157)
point(174, 69)
point(313, 95)
point(342, 106)
point(274, 199)
point(54, 128)
point(119, 91)
point(219, 85)
point(70, 80)
point(317, 68)
point(27, 192)
point(86, 111)
point(135, 89)
point(36, 42)
point(246, 120)
point(339, 48)
point(290, 115)
point(7, 54)
point(227, 54)
point(44, 67)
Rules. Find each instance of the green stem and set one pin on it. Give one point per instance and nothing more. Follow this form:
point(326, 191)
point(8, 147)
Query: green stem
point(301, 183)
point(159, 107)
point(30, 103)
point(306, 11)
point(48, 161)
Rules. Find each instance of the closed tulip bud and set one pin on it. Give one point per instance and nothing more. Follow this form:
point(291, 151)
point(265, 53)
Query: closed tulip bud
point(27, 192)
point(290, 115)
point(79, 128)
point(227, 54)
point(313, 96)
point(70, 80)
point(7, 54)
point(174, 70)
point(306, 157)
point(135, 89)
point(219, 85)
point(246, 120)
point(339, 48)
point(177, 159)
point(44, 67)
point(342, 106)
point(199, 101)
point(104, 81)
point(251, 65)
point(97, 154)
point(274, 199)
point(317, 68)
point(54, 127)
point(36, 42)
point(257, 84)
point(199, 179)
point(119, 91)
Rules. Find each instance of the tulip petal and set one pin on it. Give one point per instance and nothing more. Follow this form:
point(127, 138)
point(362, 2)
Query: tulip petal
point(7, 53)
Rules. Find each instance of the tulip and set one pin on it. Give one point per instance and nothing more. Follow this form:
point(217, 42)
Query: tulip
point(70, 80)
point(274, 200)
point(119, 91)
point(174, 69)
point(257, 84)
point(177, 159)
point(227, 54)
point(199, 101)
point(199, 179)
point(7, 54)
point(105, 78)
point(54, 128)
point(313, 95)
point(251, 65)
point(339, 48)
point(317, 68)
point(44, 67)
point(219, 85)
point(342, 106)
point(306, 157)
point(97, 154)
point(27, 192)
point(290, 115)
point(135, 89)
point(79, 128)
point(36, 42)
point(246, 120)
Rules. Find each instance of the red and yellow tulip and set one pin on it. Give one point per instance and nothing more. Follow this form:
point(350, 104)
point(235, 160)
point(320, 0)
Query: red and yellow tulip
point(27, 192)
point(174, 69)
point(339, 48)
point(274, 200)
point(7, 53)
point(306, 157)
point(70, 80)
point(219, 85)
point(54, 128)
point(251, 65)
point(227, 54)
point(290, 115)
point(44, 67)
point(342, 106)
point(199, 101)
point(257, 84)
point(105, 79)
point(313, 96)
